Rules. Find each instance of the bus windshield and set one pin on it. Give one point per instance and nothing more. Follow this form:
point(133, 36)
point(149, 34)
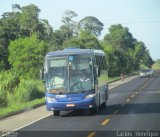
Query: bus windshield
point(70, 74)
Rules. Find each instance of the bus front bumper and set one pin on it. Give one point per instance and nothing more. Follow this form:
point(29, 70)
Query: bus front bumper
point(84, 104)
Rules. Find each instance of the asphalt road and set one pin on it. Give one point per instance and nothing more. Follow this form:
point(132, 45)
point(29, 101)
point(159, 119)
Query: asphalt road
point(133, 109)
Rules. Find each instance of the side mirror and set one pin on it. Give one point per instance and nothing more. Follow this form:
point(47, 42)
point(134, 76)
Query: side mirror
point(42, 75)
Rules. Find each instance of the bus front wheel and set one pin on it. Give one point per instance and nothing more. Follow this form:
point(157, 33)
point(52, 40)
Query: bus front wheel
point(95, 110)
point(92, 111)
point(56, 112)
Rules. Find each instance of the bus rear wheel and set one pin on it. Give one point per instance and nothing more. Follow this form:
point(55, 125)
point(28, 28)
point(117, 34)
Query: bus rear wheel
point(104, 105)
point(56, 112)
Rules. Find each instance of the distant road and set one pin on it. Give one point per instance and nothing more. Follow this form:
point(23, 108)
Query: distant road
point(133, 106)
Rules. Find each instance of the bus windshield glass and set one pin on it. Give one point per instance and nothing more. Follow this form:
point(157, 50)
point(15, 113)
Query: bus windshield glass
point(70, 74)
point(81, 73)
point(57, 74)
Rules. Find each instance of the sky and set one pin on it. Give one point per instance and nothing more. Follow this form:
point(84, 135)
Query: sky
point(142, 17)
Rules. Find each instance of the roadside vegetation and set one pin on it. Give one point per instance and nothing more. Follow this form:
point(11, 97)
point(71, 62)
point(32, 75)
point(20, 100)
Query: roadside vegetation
point(156, 65)
point(25, 39)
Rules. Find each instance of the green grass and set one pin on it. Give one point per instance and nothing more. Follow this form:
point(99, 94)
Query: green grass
point(113, 79)
point(24, 106)
point(156, 66)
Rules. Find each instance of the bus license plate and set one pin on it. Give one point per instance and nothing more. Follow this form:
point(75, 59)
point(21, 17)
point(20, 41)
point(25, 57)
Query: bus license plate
point(70, 105)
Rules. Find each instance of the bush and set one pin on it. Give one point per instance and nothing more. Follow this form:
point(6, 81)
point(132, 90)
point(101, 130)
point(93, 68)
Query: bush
point(26, 55)
point(26, 91)
point(8, 81)
point(3, 98)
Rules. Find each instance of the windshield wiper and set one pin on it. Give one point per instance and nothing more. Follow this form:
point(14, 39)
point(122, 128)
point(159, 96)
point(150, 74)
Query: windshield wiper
point(74, 84)
point(60, 93)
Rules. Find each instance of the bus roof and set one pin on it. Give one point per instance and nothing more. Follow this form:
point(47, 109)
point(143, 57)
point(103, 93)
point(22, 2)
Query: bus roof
point(71, 51)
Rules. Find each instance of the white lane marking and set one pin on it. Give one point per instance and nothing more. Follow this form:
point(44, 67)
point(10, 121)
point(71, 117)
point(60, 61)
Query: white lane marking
point(115, 112)
point(127, 100)
point(136, 93)
point(33, 122)
point(25, 125)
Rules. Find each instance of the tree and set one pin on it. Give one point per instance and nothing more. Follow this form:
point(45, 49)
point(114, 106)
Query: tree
point(158, 61)
point(156, 64)
point(116, 60)
point(21, 22)
point(120, 37)
point(91, 24)
point(85, 41)
point(16, 7)
point(69, 27)
point(58, 38)
point(67, 18)
point(9, 30)
point(26, 55)
point(147, 60)
point(124, 52)
point(29, 19)
point(44, 30)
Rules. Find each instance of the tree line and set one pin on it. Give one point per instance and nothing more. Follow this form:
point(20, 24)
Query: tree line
point(25, 39)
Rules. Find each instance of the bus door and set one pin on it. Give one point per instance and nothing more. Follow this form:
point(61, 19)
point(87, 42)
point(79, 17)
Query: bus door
point(103, 86)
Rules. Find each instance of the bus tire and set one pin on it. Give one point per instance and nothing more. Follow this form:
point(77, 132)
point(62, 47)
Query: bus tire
point(104, 105)
point(97, 109)
point(93, 111)
point(56, 112)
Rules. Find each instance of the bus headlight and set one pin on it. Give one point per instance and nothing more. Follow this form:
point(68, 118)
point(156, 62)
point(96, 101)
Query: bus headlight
point(51, 100)
point(90, 96)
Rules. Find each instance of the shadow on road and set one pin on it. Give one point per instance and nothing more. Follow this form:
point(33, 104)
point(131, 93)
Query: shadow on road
point(140, 108)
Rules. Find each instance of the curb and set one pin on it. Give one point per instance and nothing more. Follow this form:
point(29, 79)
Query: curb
point(123, 83)
point(21, 111)
point(124, 77)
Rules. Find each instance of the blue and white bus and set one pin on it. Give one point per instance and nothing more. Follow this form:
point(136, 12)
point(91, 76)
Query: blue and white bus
point(75, 79)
